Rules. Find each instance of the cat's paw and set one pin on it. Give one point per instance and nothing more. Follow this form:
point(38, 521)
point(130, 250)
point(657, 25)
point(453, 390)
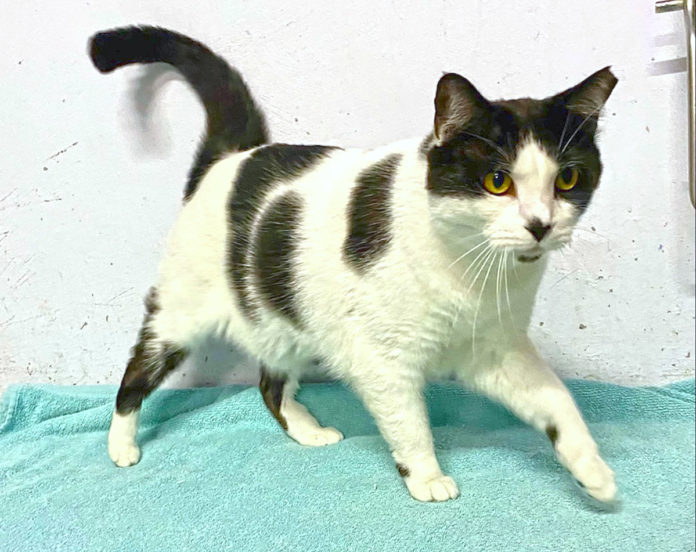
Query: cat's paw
point(316, 436)
point(436, 489)
point(595, 478)
point(124, 453)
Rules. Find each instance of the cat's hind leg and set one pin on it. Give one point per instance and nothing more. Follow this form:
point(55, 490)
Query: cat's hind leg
point(278, 392)
point(153, 357)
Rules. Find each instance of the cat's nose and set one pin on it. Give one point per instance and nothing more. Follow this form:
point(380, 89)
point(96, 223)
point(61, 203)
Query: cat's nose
point(538, 229)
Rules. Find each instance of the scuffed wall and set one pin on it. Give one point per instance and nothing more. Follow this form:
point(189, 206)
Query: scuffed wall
point(87, 196)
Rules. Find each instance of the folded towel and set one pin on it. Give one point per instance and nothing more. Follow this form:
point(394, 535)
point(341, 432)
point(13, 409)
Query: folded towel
point(217, 473)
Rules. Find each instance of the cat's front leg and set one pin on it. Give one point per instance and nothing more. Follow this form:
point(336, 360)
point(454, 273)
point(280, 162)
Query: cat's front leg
point(396, 402)
point(522, 381)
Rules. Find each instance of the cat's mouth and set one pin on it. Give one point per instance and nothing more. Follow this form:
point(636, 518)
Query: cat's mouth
point(530, 256)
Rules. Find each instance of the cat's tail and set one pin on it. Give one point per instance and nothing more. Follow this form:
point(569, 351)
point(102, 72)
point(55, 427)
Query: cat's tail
point(234, 122)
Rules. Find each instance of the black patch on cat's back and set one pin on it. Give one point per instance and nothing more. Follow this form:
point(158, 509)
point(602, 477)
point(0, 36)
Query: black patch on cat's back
point(369, 214)
point(258, 175)
point(274, 254)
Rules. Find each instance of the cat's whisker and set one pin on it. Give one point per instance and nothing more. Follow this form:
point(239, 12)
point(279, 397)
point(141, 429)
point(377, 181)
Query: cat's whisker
point(507, 292)
point(591, 232)
point(474, 263)
point(565, 126)
point(481, 257)
point(478, 303)
point(468, 252)
point(497, 287)
point(514, 269)
point(495, 146)
point(482, 266)
point(579, 127)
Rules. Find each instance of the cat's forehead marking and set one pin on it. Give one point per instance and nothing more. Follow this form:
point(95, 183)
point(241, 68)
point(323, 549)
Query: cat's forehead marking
point(534, 172)
point(532, 160)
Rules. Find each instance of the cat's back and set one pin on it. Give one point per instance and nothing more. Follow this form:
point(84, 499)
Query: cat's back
point(238, 188)
point(217, 230)
point(241, 182)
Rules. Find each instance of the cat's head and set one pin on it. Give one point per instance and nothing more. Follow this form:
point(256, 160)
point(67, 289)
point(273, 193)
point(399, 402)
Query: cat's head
point(520, 172)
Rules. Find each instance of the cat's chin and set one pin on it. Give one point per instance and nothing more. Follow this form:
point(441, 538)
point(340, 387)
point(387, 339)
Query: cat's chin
point(531, 256)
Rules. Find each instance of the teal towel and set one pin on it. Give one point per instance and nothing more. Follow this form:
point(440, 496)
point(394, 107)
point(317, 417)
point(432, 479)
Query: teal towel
point(217, 473)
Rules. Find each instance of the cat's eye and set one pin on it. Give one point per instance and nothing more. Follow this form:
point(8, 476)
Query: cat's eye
point(567, 179)
point(497, 183)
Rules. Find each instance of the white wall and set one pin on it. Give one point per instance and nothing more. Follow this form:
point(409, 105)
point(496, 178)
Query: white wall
point(86, 197)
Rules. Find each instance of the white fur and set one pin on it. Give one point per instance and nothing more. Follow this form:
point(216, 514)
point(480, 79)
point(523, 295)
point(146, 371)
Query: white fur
point(437, 489)
point(301, 425)
point(122, 448)
point(426, 309)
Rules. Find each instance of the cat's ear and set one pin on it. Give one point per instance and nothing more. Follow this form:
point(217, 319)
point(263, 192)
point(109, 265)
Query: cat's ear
point(457, 103)
point(588, 97)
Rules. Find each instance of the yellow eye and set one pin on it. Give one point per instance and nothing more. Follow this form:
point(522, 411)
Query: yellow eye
point(567, 179)
point(497, 183)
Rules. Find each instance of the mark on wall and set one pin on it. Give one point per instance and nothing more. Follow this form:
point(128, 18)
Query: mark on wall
point(61, 152)
point(7, 195)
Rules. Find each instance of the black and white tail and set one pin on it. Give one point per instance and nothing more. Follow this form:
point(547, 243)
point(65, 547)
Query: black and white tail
point(234, 122)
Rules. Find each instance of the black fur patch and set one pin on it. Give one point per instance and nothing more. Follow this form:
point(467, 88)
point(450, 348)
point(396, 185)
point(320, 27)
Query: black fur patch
point(234, 122)
point(274, 254)
point(272, 392)
point(149, 363)
point(425, 145)
point(369, 214)
point(403, 470)
point(259, 174)
point(552, 433)
point(489, 143)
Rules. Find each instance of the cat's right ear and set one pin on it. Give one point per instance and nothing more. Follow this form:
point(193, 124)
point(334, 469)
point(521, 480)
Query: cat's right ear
point(457, 103)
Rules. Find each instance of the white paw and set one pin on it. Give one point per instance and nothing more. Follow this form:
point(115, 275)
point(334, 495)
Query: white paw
point(316, 436)
point(124, 454)
point(437, 489)
point(595, 477)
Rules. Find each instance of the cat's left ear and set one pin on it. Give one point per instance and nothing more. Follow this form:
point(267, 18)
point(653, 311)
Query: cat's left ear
point(588, 97)
point(457, 104)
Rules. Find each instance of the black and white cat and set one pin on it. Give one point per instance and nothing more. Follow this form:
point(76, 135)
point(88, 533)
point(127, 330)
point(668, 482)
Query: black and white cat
point(392, 266)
